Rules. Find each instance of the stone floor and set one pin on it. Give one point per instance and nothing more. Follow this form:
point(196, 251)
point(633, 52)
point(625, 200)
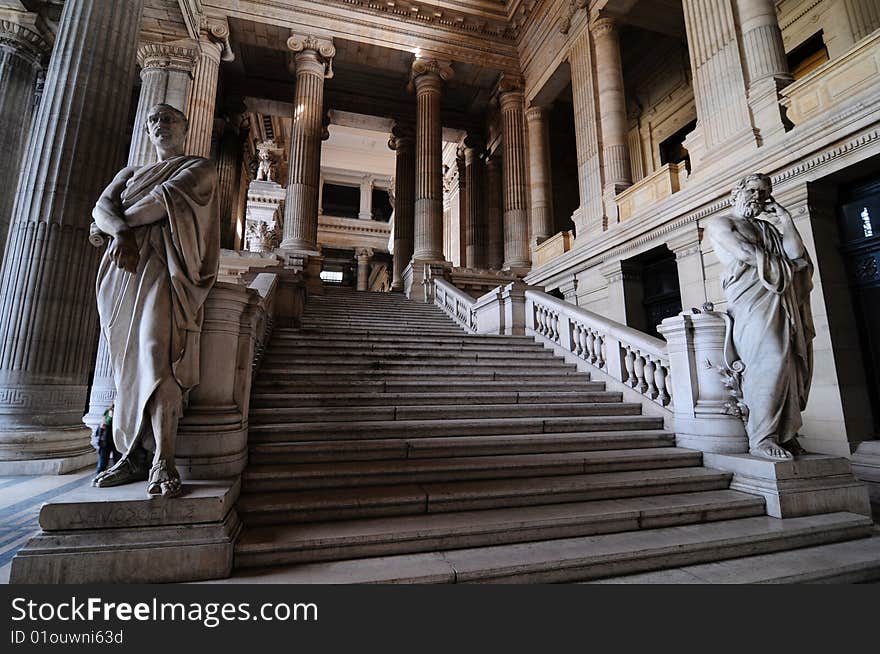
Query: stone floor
point(20, 500)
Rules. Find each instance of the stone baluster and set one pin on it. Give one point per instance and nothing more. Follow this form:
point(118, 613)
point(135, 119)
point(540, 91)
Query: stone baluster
point(203, 97)
point(629, 361)
point(23, 52)
point(363, 256)
point(166, 77)
point(476, 245)
point(309, 63)
point(403, 143)
point(589, 217)
point(516, 203)
point(494, 222)
point(539, 174)
point(427, 78)
point(766, 65)
point(650, 385)
point(612, 112)
point(48, 322)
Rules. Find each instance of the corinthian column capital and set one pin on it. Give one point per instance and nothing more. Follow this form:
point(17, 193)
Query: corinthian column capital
point(22, 38)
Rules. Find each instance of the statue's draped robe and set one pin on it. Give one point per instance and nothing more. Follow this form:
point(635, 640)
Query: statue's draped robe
point(152, 318)
point(772, 332)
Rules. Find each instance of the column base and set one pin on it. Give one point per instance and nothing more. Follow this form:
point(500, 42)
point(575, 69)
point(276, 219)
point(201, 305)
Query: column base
point(809, 485)
point(866, 467)
point(55, 466)
point(47, 451)
point(117, 535)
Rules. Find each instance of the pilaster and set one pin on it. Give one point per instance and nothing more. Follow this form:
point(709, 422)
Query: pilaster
point(685, 243)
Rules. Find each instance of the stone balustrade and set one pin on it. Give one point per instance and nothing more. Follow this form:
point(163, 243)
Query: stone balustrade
point(555, 246)
point(626, 355)
point(457, 304)
point(845, 80)
point(648, 191)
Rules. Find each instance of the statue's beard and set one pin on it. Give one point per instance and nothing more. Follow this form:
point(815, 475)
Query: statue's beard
point(747, 208)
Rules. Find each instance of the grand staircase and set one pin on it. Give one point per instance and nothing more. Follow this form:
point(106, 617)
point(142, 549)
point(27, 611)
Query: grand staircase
point(387, 445)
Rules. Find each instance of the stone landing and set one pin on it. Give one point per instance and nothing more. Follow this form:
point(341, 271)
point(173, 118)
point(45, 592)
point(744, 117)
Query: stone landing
point(117, 535)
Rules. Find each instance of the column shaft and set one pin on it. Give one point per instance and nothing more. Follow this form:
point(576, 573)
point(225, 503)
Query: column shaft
point(539, 174)
point(363, 268)
point(516, 203)
point(48, 324)
point(403, 143)
point(494, 223)
point(229, 183)
point(476, 246)
point(166, 77)
point(465, 228)
point(21, 53)
point(864, 17)
point(612, 106)
point(365, 211)
point(301, 205)
point(203, 98)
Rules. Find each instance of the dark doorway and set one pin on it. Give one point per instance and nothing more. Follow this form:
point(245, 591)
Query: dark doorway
point(563, 162)
point(381, 205)
point(652, 292)
point(859, 216)
point(341, 201)
point(672, 150)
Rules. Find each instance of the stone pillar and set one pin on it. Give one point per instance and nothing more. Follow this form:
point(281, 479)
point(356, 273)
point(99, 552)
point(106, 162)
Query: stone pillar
point(403, 143)
point(366, 204)
point(363, 256)
point(166, 77)
point(516, 188)
point(612, 112)
point(689, 260)
point(589, 217)
point(476, 245)
point(494, 224)
point(724, 124)
point(463, 208)
point(309, 62)
point(229, 183)
point(766, 66)
point(428, 77)
point(203, 98)
point(48, 322)
point(539, 174)
point(22, 51)
point(863, 16)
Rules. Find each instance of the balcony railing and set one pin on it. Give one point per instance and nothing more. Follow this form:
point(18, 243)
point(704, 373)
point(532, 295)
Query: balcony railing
point(553, 247)
point(650, 190)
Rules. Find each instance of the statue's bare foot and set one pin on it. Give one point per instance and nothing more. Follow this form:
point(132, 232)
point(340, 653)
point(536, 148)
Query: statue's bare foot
point(125, 471)
point(771, 450)
point(164, 481)
point(794, 447)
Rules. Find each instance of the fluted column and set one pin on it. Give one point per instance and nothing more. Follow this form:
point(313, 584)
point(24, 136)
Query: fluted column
point(229, 182)
point(428, 77)
point(766, 66)
point(463, 223)
point(203, 97)
point(863, 17)
point(476, 235)
point(723, 119)
point(166, 77)
point(22, 51)
point(516, 203)
point(363, 261)
point(590, 214)
point(612, 109)
point(539, 174)
point(310, 59)
point(403, 143)
point(48, 322)
point(494, 211)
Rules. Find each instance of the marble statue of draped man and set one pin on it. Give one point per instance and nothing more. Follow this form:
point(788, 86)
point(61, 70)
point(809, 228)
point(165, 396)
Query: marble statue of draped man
point(767, 280)
point(153, 280)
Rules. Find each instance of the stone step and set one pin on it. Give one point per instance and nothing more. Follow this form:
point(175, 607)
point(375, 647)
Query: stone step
point(584, 557)
point(305, 476)
point(307, 356)
point(441, 497)
point(408, 336)
point(393, 324)
point(423, 448)
point(427, 387)
point(849, 562)
point(377, 331)
point(276, 415)
point(409, 374)
point(344, 348)
point(412, 365)
point(265, 400)
point(316, 431)
point(351, 539)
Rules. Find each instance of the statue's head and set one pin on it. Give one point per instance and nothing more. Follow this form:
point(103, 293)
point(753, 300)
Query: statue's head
point(751, 194)
point(167, 127)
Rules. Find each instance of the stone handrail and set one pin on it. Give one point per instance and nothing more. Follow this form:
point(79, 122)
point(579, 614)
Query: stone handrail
point(627, 355)
point(457, 304)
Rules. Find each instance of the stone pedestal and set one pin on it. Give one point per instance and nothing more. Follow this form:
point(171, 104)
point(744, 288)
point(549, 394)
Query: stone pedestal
point(808, 485)
point(700, 400)
point(403, 143)
point(502, 310)
point(117, 535)
point(427, 79)
point(48, 324)
point(265, 204)
point(866, 467)
point(517, 257)
point(417, 273)
point(22, 53)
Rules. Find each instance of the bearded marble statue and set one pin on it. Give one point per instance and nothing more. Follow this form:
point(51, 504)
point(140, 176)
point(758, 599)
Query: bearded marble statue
point(767, 280)
point(162, 260)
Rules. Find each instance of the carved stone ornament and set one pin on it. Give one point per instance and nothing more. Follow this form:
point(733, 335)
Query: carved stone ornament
point(509, 84)
point(443, 69)
point(23, 39)
point(301, 42)
point(168, 56)
point(603, 26)
point(403, 135)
